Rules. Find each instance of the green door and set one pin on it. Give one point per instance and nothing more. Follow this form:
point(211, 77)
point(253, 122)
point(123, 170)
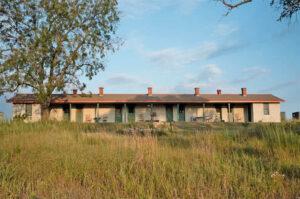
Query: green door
point(131, 115)
point(79, 114)
point(118, 113)
point(181, 113)
point(169, 113)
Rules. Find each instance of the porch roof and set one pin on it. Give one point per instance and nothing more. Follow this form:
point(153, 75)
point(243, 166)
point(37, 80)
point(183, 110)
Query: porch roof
point(155, 98)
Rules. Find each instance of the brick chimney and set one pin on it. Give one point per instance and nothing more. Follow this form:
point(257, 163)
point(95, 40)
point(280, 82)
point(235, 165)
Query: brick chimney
point(197, 91)
point(101, 91)
point(244, 91)
point(74, 91)
point(219, 92)
point(149, 91)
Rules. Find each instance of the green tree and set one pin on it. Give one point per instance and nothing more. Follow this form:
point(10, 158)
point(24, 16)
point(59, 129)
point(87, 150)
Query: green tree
point(47, 44)
point(288, 8)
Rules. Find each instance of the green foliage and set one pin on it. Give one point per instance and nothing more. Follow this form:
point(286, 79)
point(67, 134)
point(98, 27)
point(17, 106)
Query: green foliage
point(47, 44)
point(288, 8)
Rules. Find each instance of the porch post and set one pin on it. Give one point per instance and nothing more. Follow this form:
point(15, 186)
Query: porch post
point(97, 113)
point(70, 112)
point(177, 112)
point(229, 112)
point(125, 113)
point(203, 112)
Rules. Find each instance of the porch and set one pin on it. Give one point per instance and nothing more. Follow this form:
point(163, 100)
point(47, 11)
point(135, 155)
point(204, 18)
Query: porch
point(138, 112)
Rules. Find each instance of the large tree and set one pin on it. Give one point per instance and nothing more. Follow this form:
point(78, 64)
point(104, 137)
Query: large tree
point(47, 44)
point(288, 8)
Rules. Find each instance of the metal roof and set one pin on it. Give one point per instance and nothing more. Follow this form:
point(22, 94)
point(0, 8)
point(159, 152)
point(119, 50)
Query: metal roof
point(154, 98)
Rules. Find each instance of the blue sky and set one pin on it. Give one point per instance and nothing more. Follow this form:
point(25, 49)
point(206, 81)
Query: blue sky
point(176, 45)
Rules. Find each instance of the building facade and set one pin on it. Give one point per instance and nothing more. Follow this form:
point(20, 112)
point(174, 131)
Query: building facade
point(195, 107)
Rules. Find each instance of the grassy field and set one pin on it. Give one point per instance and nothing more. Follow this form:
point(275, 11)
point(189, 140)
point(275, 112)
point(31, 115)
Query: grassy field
point(182, 160)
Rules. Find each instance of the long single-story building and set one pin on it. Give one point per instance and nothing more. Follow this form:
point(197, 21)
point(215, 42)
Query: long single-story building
point(195, 107)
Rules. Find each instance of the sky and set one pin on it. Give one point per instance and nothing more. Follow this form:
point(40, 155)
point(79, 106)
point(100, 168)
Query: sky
point(177, 45)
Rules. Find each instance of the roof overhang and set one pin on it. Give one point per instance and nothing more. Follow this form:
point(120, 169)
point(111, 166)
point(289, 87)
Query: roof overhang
point(136, 102)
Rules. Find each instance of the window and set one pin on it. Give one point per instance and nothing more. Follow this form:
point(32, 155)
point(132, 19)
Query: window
point(28, 110)
point(266, 109)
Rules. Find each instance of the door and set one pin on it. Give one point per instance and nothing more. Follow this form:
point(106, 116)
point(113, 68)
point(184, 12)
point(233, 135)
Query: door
point(169, 113)
point(131, 113)
point(181, 113)
point(118, 113)
point(79, 113)
point(66, 112)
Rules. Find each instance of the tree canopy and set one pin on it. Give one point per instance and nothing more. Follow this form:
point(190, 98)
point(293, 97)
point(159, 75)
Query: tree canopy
point(288, 8)
point(47, 44)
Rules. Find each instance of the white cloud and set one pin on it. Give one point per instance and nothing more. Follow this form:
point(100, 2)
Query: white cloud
point(250, 74)
point(208, 78)
point(126, 80)
point(176, 57)
point(170, 57)
point(281, 85)
point(225, 29)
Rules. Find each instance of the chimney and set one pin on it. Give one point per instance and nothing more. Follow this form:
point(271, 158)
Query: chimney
point(101, 91)
point(197, 91)
point(149, 91)
point(74, 91)
point(244, 91)
point(219, 92)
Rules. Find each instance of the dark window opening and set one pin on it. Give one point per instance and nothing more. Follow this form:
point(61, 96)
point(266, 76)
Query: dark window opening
point(131, 109)
point(266, 109)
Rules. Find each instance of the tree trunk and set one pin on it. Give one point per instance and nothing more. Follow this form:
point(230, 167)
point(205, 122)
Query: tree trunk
point(45, 111)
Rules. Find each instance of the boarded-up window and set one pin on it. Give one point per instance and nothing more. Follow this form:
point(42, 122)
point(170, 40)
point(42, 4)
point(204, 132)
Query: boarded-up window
point(266, 109)
point(28, 109)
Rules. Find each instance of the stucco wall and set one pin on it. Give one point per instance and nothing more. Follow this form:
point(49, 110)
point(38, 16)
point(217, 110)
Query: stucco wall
point(240, 113)
point(107, 111)
point(160, 112)
point(56, 113)
point(193, 111)
point(175, 117)
point(89, 113)
point(142, 112)
point(73, 113)
point(224, 112)
point(258, 113)
point(20, 109)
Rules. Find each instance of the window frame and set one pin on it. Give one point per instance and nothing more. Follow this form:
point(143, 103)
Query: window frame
point(266, 108)
point(28, 110)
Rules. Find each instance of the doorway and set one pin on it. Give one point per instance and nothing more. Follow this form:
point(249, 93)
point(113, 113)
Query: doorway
point(181, 113)
point(131, 113)
point(169, 113)
point(118, 113)
point(79, 113)
point(66, 112)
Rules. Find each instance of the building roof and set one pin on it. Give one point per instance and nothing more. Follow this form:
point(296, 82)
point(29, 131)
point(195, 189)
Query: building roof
point(154, 98)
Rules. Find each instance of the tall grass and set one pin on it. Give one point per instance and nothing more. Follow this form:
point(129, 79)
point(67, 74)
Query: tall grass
point(71, 160)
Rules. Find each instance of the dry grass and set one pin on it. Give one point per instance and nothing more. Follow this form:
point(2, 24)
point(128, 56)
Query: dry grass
point(64, 160)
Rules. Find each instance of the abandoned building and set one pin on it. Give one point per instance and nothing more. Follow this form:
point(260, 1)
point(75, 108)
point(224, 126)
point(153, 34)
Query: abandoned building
point(196, 107)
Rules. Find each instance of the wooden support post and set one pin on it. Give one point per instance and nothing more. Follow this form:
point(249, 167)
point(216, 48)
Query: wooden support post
point(229, 116)
point(178, 113)
point(97, 113)
point(125, 113)
point(70, 112)
point(203, 112)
